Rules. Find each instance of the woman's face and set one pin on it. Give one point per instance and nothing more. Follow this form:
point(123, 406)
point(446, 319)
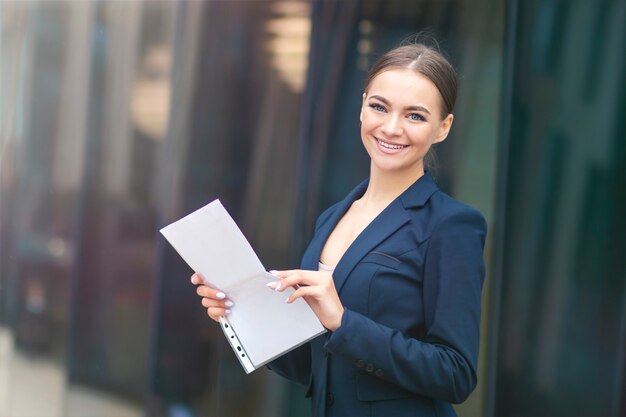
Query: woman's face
point(401, 119)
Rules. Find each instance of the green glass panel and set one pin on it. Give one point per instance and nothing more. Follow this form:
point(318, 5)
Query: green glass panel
point(560, 339)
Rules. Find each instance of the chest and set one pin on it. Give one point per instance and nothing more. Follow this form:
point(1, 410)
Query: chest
point(351, 225)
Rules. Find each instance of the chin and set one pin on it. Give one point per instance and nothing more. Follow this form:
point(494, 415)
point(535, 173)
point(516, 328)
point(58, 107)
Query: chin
point(397, 167)
point(389, 167)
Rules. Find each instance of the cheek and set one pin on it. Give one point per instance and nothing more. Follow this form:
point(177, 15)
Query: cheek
point(365, 125)
point(364, 137)
point(421, 134)
point(369, 122)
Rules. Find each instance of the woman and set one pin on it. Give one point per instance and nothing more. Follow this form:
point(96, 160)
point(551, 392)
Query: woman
point(395, 270)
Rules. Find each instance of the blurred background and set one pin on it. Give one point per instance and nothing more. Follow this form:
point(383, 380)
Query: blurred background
point(119, 117)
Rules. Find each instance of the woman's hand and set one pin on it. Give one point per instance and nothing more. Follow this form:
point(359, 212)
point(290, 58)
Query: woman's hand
point(318, 290)
point(215, 301)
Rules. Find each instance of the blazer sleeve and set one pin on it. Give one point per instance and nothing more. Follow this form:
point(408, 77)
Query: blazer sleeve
point(443, 364)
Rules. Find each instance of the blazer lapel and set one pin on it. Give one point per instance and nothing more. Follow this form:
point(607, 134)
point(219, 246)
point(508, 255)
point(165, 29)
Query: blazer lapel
point(312, 255)
point(385, 224)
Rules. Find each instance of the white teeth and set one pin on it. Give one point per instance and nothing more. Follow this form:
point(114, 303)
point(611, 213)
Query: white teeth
point(389, 145)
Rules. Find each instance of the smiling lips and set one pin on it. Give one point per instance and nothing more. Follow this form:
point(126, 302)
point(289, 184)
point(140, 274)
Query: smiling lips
point(389, 147)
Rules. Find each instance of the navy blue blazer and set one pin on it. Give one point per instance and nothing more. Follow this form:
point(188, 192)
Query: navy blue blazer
point(411, 287)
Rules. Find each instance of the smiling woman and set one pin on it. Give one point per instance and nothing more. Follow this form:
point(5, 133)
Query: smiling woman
point(430, 65)
point(395, 270)
point(396, 120)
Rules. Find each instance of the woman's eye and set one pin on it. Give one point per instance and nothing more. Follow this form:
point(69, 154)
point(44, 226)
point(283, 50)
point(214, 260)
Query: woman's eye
point(415, 117)
point(377, 107)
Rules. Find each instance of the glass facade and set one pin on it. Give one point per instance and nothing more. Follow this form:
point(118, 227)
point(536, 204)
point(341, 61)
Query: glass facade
point(117, 118)
point(559, 332)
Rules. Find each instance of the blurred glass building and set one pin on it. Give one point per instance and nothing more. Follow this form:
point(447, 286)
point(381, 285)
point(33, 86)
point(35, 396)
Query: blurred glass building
point(118, 117)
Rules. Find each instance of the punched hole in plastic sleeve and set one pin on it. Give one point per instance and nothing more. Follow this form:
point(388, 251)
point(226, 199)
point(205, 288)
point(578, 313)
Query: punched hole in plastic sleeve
point(236, 345)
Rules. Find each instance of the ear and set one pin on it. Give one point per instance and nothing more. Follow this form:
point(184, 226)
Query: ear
point(444, 128)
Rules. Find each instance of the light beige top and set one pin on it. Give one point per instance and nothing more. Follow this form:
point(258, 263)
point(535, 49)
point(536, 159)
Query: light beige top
point(324, 267)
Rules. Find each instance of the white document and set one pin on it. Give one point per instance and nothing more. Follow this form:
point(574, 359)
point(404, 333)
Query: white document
point(261, 326)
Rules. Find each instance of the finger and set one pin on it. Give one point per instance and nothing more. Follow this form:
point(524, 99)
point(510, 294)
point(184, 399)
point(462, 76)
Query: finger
point(204, 291)
point(283, 284)
point(275, 285)
point(286, 273)
point(216, 312)
point(197, 279)
point(276, 273)
point(296, 278)
point(302, 292)
point(209, 302)
point(278, 285)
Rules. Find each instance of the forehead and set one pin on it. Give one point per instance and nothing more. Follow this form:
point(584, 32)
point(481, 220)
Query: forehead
point(406, 87)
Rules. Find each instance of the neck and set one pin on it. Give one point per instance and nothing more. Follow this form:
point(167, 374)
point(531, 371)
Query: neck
point(386, 186)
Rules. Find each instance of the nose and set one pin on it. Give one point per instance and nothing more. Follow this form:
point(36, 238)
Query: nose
point(392, 126)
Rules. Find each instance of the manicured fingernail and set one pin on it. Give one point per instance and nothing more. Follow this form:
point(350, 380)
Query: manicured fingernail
point(274, 272)
point(228, 311)
point(228, 303)
point(274, 285)
point(220, 295)
point(193, 280)
point(287, 300)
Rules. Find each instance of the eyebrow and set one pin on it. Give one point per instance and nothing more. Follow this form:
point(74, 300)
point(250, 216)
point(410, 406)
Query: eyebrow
point(418, 108)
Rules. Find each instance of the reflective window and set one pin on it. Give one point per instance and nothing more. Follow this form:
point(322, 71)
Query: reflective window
point(562, 306)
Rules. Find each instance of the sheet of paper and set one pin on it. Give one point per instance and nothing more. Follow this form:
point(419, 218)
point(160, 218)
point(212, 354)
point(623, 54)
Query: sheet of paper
point(211, 243)
point(265, 325)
